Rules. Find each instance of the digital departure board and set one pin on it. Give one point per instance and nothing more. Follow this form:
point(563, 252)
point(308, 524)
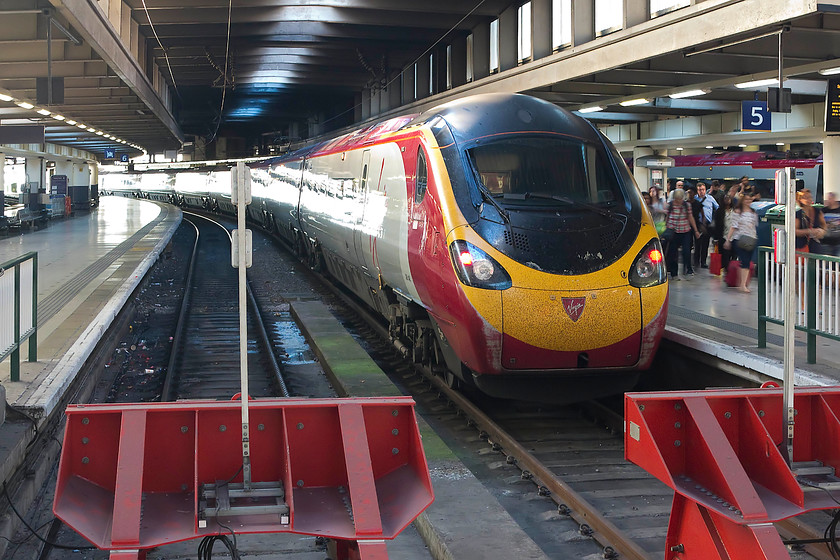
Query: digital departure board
point(832, 106)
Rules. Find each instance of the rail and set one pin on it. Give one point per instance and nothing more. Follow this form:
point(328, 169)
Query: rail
point(19, 309)
point(817, 297)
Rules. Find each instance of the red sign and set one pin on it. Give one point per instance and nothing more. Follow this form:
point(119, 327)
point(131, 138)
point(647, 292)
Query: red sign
point(574, 307)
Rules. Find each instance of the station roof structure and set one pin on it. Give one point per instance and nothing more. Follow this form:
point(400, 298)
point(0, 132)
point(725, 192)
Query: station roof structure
point(150, 74)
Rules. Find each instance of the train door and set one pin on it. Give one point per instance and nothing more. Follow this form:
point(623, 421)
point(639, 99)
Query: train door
point(359, 235)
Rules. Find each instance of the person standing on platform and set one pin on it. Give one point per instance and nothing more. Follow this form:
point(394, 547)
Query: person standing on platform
point(831, 214)
point(744, 228)
point(722, 225)
point(704, 208)
point(681, 223)
point(810, 224)
point(718, 191)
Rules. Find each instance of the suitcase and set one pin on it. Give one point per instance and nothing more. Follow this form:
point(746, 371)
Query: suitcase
point(714, 263)
point(732, 273)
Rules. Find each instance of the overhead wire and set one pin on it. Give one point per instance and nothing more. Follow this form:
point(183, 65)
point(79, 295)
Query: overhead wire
point(225, 77)
point(165, 54)
point(415, 61)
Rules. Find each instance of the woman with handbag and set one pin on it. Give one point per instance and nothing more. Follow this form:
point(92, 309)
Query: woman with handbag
point(743, 238)
point(810, 223)
point(679, 225)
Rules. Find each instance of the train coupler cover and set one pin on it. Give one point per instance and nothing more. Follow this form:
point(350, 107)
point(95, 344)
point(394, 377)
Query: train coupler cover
point(138, 476)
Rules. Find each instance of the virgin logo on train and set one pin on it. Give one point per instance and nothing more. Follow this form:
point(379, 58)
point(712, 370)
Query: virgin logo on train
point(574, 307)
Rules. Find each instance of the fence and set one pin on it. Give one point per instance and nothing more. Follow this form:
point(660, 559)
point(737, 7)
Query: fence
point(19, 309)
point(817, 280)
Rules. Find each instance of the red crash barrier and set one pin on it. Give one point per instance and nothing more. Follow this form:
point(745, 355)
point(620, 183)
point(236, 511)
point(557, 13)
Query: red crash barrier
point(719, 450)
point(137, 476)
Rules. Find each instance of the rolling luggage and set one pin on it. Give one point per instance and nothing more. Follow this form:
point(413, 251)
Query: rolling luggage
point(732, 273)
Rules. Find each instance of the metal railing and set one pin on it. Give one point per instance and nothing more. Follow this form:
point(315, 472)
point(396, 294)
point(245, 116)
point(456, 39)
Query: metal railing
point(19, 309)
point(817, 297)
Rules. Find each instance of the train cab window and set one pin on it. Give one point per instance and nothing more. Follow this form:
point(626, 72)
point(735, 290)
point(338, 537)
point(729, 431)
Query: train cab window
point(422, 177)
point(545, 170)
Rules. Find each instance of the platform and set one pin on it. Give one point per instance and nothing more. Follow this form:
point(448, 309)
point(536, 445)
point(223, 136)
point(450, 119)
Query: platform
point(708, 316)
point(88, 267)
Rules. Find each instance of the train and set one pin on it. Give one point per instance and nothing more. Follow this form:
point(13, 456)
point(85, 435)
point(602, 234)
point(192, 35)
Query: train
point(501, 237)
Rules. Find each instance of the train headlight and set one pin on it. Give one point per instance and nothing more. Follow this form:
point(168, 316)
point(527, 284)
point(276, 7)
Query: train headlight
point(476, 268)
point(649, 267)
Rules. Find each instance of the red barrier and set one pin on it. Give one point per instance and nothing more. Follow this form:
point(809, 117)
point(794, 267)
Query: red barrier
point(719, 450)
point(137, 476)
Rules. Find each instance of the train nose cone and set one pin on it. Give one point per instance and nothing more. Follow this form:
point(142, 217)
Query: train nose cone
point(551, 329)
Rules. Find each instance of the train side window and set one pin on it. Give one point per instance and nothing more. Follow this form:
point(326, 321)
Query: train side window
point(422, 177)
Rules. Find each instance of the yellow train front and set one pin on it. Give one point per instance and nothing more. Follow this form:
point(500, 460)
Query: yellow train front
point(556, 288)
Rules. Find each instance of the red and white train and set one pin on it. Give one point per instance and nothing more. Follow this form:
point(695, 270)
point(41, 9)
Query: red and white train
point(502, 238)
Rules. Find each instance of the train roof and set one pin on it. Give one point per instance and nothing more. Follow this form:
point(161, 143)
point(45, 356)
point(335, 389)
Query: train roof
point(484, 115)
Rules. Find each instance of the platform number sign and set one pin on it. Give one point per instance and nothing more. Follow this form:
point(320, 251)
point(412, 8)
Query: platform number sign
point(755, 115)
point(124, 158)
point(110, 153)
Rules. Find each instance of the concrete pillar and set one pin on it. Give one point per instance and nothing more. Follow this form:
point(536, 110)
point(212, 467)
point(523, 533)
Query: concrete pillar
point(831, 165)
point(508, 39)
point(481, 51)
point(541, 27)
point(636, 12)
point(375, 101)
point(583, 21)
point(365, 103)
point(642, 174)
point(2, 184)
point(395, 92)
point(459, 61)
point(34, 174)
point(408, 85)
point(422, 77)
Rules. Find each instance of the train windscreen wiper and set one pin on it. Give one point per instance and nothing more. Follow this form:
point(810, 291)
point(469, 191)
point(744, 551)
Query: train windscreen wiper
point(488, 196)
point(576, 203)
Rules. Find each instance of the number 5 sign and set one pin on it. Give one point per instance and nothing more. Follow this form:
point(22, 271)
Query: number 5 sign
point(754, 115)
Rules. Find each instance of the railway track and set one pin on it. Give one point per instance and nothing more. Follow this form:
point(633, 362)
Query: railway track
point(572, 454)
point(204, 362)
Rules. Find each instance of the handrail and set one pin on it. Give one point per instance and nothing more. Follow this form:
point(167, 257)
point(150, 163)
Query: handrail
point(818, 304)
point(19, 309)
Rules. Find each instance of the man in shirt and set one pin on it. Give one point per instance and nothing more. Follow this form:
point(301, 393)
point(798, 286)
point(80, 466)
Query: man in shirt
point(830, 244)
point(703, 207)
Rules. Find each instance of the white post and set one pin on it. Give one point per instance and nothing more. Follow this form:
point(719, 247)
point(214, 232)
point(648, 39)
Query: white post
point(790, 310)
point(241, 253)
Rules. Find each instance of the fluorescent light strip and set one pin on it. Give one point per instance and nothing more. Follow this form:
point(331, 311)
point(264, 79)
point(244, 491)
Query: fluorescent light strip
point(633, 102)
point(43, 112)
point(757, 83)
point(4, 97)
point(58, 117)
point(830, 71)
point(594, 109)
point(24, 104)
point(689, 93)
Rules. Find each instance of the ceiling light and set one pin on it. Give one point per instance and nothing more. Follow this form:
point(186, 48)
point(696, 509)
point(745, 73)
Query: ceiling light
point(830, 71)
point(710, 147)
point(758, 83)
point(680, 149)
point(80, 125)
point(58, 117)
point(689, 93)
point(100, 133)
point(43, 112)
point(70, 122)
point(742, 145)
point(593, 109)
point(632, 102)
point(4, 97)
point(780, 143)
point(24, 104)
